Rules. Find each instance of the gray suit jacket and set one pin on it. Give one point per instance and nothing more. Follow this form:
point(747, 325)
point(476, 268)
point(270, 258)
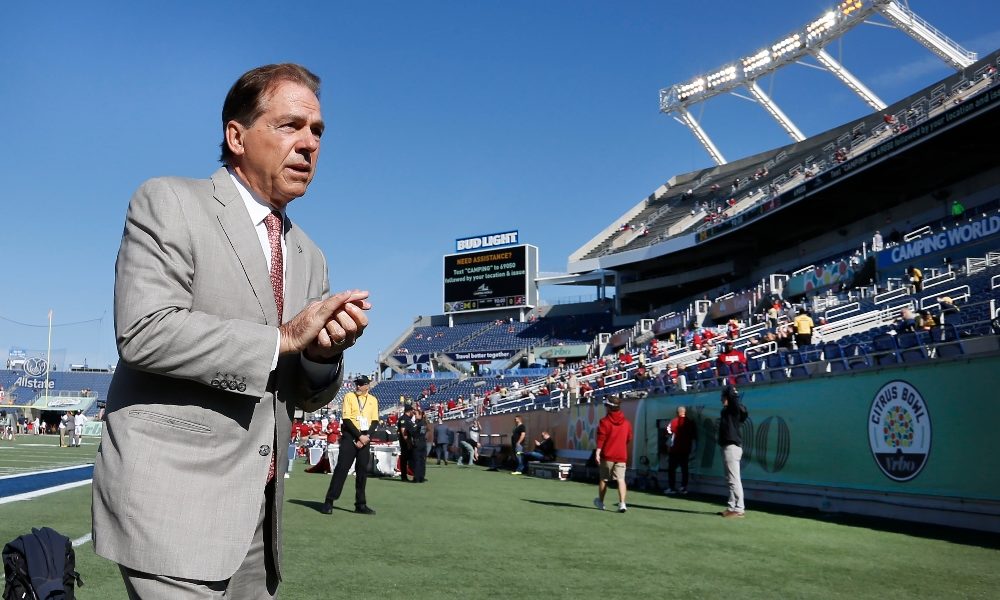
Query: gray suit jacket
point(194, 410)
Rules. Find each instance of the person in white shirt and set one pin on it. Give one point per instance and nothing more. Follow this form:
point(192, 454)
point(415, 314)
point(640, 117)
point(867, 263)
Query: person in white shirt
point(63, 424)
point(78, 420)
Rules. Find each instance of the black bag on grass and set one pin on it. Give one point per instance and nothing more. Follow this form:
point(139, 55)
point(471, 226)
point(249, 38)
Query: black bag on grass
point(40, 565)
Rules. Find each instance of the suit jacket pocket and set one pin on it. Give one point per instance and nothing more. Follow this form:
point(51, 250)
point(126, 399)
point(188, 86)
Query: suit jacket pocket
point(169, 421)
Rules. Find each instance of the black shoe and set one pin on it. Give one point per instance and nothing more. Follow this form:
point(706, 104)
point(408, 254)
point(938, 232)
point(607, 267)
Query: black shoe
point(364, 510)
point(327, 508)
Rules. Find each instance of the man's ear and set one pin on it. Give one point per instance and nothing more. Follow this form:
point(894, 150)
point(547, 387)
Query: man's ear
point(235, 134)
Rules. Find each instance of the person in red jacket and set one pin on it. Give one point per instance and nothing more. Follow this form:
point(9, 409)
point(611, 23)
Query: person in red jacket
point(614, 438)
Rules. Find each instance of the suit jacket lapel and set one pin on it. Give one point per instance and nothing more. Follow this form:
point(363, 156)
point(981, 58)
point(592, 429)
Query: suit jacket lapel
point(236, 225)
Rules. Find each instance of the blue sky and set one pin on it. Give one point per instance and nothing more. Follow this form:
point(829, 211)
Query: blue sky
point(444, 119)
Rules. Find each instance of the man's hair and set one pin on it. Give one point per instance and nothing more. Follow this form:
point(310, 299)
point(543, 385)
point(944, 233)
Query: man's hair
point(246, 99)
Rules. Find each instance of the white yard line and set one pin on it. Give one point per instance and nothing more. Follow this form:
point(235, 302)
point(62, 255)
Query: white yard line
point(55, 470)
point(81, 540)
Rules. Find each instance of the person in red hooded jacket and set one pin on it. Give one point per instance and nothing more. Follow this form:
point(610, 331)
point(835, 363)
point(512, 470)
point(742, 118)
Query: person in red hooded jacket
point(614, 437)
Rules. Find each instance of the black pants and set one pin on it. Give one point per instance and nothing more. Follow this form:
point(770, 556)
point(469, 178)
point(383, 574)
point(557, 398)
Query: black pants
point(405, 461)
point(419, 462)
point(674, 461)
point(359, 457)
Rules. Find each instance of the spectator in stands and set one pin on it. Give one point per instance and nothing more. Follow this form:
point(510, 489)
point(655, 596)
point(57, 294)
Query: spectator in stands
point(877, 244)
point(926, 320)
point(682, 433)
point(573, 388)
point(916, 278)
point(803, 328)
point(957, 211)
point(614, 438)
point(947, 307)
point(734, 360)
point(784, 337)
point(772, 316)
point(731, 440)
point(545, 450)
point(441, 434)
point(517, 438)
point(906, 323)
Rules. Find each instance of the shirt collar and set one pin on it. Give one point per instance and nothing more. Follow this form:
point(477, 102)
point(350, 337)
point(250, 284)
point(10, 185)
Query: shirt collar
point(257, 208)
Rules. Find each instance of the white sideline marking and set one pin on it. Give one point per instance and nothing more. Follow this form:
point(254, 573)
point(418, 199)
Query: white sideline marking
point(81, 540)
point(44, 492)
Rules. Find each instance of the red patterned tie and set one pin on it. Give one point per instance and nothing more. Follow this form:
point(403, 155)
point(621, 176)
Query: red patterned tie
point(274, 230)
point(273, 223)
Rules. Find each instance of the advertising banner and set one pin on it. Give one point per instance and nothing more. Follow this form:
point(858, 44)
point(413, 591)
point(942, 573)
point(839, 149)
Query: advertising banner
point(567, 351)
point(484, 242)
point(480, 356)
point(820, 277)
point(63, 403)
point(955, 238)
point(731, 306)
point(903, 430)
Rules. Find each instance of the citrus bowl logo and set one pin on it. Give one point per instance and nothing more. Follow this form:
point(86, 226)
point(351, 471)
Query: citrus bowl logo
point(899, 431)
point(35, 367)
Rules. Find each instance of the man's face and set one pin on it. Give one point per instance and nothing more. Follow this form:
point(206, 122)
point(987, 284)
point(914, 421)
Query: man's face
point(277, 154)
point(363, 388)
point(681, 412)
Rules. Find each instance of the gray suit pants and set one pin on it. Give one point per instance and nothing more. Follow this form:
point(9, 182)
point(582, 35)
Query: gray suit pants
point(254, 580)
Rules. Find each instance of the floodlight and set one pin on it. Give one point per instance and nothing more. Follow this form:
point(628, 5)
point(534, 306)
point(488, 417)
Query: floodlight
point(850, 6)
point(721, 76)
point(786, 46)
point(689, 89)
point(820, 26)
point(757, 61)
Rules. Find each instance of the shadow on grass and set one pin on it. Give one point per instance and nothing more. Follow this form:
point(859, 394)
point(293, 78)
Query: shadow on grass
point(316, 505)
point(640, 506)
point(955, 535)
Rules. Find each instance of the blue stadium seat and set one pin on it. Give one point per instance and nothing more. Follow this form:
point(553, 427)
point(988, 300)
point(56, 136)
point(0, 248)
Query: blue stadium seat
point(885, 349)
point(910, 347)
point(947, 342)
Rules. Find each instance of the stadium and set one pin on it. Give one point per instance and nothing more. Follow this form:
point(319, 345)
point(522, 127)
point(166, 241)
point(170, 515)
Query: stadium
point(885, 230)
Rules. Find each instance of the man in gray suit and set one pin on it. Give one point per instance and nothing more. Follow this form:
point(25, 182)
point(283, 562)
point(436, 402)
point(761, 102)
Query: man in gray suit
point(225, 324)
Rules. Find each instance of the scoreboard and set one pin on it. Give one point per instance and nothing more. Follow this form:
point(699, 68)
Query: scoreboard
point(490, 279)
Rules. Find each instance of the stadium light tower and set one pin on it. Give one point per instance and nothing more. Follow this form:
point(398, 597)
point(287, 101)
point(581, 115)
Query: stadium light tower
point(810, 40)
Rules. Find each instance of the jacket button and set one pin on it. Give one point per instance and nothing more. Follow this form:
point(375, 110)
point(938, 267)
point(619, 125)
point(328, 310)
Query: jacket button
point(264, 450)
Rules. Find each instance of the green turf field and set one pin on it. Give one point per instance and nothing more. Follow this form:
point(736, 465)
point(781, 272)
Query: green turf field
point(474, 533)
point(29, 453)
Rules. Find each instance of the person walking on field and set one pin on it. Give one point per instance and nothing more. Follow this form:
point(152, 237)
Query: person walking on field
point(614, 438)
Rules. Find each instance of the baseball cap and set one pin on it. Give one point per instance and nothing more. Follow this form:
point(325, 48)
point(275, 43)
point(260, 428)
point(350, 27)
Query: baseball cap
point(362, 380)
point(613, 401)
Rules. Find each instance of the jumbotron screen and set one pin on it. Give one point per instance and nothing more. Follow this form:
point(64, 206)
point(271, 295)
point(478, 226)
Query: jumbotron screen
point(489, 279)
